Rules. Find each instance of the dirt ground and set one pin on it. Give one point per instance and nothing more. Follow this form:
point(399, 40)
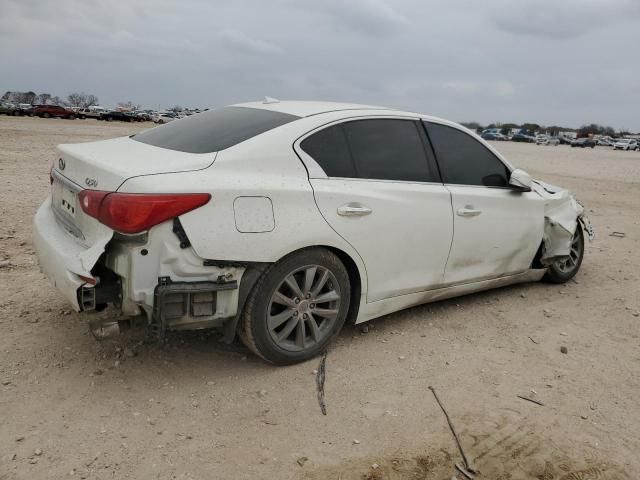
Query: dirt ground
point(71, 407)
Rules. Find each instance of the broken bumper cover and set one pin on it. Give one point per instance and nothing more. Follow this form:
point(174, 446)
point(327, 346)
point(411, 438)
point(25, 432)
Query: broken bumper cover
point(61, 258)
point(563, 214)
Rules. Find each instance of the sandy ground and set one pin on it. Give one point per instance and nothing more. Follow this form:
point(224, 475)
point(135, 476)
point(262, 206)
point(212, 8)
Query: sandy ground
point(71, 407)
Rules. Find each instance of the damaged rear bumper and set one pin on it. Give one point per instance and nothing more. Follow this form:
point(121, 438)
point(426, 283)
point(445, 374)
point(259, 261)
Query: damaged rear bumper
point(62, 259)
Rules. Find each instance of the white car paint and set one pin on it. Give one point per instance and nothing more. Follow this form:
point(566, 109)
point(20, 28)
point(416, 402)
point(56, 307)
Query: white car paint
point(626, 144)
point(410, 242)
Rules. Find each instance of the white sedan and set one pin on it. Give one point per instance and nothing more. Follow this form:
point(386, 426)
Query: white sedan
point(278, 221)
point(626, 144)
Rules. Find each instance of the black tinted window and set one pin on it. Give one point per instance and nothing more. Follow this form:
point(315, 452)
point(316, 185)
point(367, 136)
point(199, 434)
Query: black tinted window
point(464, 160)
point(214, 130)
point(389, 150)
point(329, 148)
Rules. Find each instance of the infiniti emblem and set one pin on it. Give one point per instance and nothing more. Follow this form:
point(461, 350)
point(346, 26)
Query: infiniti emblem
point(91, 182)
point(61, 164)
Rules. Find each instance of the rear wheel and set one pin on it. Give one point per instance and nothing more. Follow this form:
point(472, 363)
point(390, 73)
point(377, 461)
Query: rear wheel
point(297, 307)
point(565, 269)
point(46, 115)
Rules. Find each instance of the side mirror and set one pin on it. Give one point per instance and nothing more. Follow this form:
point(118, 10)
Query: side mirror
point(520, 180)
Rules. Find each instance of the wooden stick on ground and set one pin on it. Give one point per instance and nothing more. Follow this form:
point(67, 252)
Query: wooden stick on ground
point(467, 464)
point(320, 378)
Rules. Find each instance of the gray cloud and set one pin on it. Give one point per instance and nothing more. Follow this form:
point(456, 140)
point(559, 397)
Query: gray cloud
point(568, 62)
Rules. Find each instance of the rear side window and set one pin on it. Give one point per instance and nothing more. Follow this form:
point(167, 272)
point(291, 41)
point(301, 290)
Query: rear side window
point(214, 130)
point(378, 149)
point(329, 149)
point(388, 149)
point(463, 160)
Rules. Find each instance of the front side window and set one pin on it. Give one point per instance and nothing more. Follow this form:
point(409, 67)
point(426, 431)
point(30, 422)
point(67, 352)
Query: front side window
point(214, 130)
point(376, 149)
point(463, 160)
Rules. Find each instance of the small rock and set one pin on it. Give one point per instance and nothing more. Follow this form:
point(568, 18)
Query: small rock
point(5, 264)
point(116, 363)
point(564, 334)
point(547, 313)
point(402, 357)
point(14, 456)
point(356, 442)
point(6, 382)
point(210, 383)
point(33, 461)
point(375, 466)
point(302, 460)
point(583, 417)
point(195, 404)
point(522, 295)
point(564, 350)
point(20, 438)
point(262, 393)
point(99, 371)
point(37, 452)
point(636, 314)
point(364, 329)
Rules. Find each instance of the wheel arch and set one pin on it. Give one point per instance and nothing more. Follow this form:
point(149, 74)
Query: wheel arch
point(254, 270)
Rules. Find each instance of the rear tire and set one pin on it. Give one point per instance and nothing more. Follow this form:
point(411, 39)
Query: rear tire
point(297, 307)
point(561, 271)
point(45, 115)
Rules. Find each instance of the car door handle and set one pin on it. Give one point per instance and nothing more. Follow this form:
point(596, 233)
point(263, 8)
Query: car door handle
point(353, 210)
point(468, 212)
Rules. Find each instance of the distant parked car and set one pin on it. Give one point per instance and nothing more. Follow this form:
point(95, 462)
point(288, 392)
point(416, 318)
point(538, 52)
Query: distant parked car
point(565, 140)
point(626, 144)
point(7, 108)
point(584, 143)
point(547, 140)
point(493, 136)
point(522, 137)
point(605, 142)
point(161, 118)
point(93, 111)
point(116, 115)
point(47, 111)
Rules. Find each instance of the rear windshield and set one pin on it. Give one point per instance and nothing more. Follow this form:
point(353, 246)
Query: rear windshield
point(214, 130)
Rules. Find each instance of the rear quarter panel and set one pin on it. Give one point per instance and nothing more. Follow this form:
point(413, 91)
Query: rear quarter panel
point(264, 166)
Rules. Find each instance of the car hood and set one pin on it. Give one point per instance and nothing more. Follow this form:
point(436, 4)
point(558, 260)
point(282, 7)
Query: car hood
point(106, 164)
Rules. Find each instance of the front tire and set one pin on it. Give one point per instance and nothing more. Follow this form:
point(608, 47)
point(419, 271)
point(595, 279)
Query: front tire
point(561, 271)
point(297, 307)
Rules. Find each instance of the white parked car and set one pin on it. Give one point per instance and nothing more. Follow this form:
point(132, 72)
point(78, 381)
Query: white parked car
point(162, 118)
point(626, 144)
point(547, 140)
point(279, 221)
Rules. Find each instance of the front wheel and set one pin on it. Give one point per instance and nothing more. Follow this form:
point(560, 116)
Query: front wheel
point(565, 269)
point(297, 307)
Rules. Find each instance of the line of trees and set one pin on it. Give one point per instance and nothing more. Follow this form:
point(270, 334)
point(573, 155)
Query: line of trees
point(75, 99)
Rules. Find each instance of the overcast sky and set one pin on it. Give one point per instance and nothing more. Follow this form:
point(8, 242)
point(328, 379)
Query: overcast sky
point(565, 62)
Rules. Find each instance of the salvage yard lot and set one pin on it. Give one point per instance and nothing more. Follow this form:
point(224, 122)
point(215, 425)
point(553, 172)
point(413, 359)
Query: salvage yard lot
point(119, 409)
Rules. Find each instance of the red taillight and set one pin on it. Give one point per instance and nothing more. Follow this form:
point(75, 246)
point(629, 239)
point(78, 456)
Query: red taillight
point(137, 212)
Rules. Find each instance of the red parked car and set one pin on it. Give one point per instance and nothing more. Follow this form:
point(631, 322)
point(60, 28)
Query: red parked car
point(46, 111)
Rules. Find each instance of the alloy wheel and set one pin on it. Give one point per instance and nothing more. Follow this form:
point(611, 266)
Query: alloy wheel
point(303, 308)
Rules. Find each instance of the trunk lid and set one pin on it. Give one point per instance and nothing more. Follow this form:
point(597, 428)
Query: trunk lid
point(106, 164)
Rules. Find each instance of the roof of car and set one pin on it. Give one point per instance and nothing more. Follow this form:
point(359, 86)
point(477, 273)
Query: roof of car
point(306, 108)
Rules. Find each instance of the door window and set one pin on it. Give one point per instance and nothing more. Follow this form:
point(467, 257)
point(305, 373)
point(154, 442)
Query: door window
point(463, 160)
point(379, 149)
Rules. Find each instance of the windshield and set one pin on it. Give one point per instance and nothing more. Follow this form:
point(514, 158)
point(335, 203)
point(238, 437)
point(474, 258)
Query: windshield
point(214, 130)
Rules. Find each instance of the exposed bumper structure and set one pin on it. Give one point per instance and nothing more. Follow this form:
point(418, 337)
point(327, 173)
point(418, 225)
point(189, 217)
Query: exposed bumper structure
point(153, 274)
